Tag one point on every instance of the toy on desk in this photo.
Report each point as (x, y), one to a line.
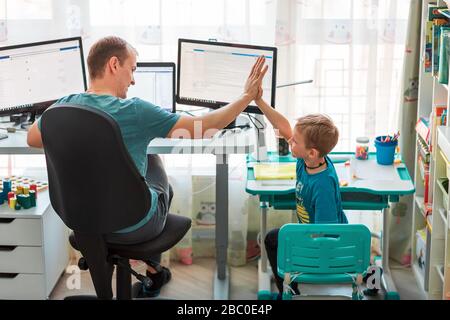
(343, 183)
(21, 181)
(362, 148)
(20, 192)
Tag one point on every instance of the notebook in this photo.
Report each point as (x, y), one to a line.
(275, 171)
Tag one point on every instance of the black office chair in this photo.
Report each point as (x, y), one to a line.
(96, 189)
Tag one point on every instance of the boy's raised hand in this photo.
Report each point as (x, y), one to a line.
(255, 78)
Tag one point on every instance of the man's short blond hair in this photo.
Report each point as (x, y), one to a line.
(103, 50)
(319, 132)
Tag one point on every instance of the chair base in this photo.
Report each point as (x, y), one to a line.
(82, 297)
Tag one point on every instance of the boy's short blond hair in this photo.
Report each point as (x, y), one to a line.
(319, 132)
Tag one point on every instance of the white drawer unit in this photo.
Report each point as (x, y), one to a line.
(21, 286)
(21, 232)
(34, 250)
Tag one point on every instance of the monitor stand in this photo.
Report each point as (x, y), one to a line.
(28, 123)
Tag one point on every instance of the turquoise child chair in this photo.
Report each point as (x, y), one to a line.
(323, 254)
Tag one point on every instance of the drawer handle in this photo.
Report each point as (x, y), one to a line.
(8, 275)
(7, 220)
(7, 248)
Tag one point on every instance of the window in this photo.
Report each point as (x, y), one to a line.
(28, 9)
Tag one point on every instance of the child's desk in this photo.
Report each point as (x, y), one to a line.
(369, 186)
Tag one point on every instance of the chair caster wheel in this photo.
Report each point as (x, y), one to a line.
(82, 264)
(147, 283)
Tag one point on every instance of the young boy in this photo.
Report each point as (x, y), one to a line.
(317, 188)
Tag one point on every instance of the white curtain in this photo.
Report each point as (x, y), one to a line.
(352, 49)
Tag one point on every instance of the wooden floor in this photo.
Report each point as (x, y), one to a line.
(194, 282)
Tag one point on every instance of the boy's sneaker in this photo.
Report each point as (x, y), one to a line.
(159, 279)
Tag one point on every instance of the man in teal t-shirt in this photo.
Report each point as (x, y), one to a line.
(111, 64)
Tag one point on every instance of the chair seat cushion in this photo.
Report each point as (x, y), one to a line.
(174, 230)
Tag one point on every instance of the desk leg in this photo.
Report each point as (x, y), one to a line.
(264, 271)
(221, 278)
(386, 279)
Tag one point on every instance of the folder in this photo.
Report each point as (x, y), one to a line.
(275, 171)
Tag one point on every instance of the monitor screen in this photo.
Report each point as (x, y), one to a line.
(212, 74)
(35, 75)
(155, 83)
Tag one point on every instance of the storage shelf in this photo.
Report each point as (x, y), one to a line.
(433, 96)
(439, 271)
(443, 216)
(418, 275)
(420, 204)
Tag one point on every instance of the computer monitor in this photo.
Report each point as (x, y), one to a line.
(34, 75)
(213, 74)
(155, 83)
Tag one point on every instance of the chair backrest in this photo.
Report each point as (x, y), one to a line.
(94, 184)
(320, 249)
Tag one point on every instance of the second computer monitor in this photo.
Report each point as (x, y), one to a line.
(155, 83)
(212, 74)
(34, 75)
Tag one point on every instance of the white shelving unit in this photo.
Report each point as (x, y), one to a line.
(431, 277)
(439, 276)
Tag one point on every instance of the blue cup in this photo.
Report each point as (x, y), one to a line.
(385, 150)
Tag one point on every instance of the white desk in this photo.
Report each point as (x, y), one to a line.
(16, 143)
(237, 143)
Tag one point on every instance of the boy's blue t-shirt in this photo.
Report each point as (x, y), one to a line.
(317, 195)
(139, 121)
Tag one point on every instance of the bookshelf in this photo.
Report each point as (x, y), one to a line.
(430, 252)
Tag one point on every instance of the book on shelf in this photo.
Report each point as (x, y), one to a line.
(423, 129)
(438, 118)
(444, 50)
(424, 151)
(424, 167)
(438, 26)
(432, 34)
(445, 12)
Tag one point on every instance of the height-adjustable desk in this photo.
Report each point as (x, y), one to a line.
(221, 147)
(370, 186)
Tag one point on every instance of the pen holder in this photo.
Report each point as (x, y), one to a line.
(385, 150)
